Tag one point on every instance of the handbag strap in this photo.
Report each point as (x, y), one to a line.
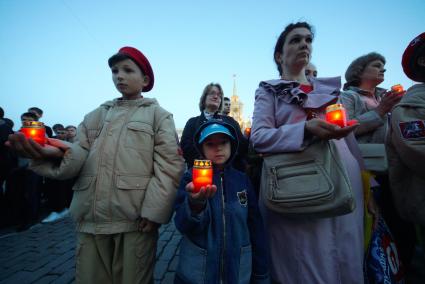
(353, 146)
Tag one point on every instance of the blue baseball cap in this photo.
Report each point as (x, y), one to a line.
(213, 129)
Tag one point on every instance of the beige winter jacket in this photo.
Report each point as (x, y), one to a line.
(406, 155)
(127, 163)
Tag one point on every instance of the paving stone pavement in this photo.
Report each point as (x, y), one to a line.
(45, 254)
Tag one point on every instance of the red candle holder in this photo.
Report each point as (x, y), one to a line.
(34, 130)
(336, 114)
(397, 88)
(202, 174)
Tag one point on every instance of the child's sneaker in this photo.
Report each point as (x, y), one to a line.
(63, 213)
(51, 218)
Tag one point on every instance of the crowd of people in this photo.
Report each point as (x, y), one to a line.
(25, 197)
(129, 173)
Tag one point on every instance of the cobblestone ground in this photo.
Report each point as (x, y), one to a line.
(45, 254)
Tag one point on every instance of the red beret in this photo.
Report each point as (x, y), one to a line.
(410, 56)
(142, 62)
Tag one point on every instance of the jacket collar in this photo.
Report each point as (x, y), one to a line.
(208, 115)
(378, 91)
(203, 118)
(325, 91)
(139, 102)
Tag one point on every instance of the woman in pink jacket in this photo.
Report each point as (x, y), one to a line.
(288, 114)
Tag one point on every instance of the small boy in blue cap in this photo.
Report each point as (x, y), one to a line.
(223, 236)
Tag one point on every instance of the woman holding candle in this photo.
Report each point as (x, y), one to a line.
(223, 235)
(128, 167)
(209, 104)
(289, 114)
(371, 105)
(365, 101)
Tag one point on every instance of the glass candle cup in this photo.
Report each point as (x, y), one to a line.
(397, 88)
(336, 114)
(34, 130)
(202, 174)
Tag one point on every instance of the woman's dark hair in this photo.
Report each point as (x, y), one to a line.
(356, 68)
(281, 40)
(207, 89)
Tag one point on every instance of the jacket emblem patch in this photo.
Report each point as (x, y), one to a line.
(412, 129)
(243, 198)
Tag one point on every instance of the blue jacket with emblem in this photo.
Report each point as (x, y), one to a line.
(225, 242)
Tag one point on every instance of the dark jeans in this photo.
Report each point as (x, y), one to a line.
(58, 194)
(22, 197)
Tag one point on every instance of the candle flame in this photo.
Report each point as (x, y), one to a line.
(397, 88)
(336, 115)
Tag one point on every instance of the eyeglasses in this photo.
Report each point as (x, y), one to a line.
(214, 93)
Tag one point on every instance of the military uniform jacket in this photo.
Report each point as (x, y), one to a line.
(406, 155)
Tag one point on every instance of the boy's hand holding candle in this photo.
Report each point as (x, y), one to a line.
(28, 148)
(198, 199)
(202, 173)
(204, 192)
(201, 188)
(34, 130)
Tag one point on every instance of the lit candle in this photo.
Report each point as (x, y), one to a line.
(202, 173)
(397, 88)
(34, 130)
(336, 114)
(247, 132)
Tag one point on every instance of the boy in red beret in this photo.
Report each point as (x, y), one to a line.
(406, 143)
(128, 171)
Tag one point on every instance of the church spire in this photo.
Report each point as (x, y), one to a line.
(234, 85)
(236, 106)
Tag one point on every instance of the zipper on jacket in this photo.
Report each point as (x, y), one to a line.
(223, 214)
(127, 117)
(99, 166)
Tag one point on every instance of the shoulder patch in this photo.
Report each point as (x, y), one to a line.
(412, 129)
(243, 198)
